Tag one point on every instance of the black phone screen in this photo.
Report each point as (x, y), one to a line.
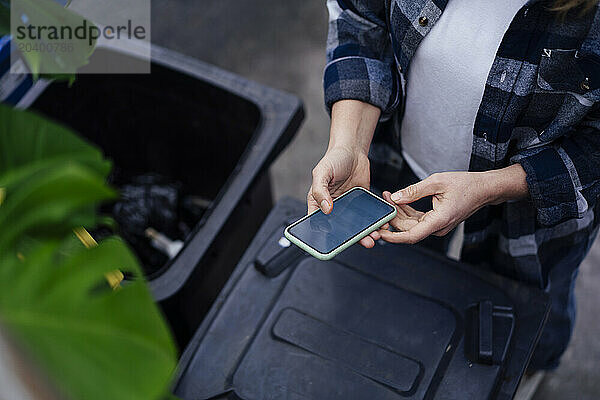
(352, 213)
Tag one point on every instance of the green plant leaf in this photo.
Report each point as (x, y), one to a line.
(51, 179)
(30, 141)
(48, 13)
(51, 202)
(95, 343)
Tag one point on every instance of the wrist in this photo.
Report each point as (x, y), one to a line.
(348, 144)
(505, 184)
(352, 125)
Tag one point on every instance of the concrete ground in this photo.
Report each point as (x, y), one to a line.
(281, 44)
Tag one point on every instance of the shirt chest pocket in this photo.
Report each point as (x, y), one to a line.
(568, 71)
(567, 84)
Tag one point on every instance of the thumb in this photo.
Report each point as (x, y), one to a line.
(320, 189)
(415, 192)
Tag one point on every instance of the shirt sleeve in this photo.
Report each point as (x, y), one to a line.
(360, 60)
(564, 177)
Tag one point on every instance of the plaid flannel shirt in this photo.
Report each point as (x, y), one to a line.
(540, 108)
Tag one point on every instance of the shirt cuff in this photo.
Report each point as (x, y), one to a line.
(364, 79)
(551, 187)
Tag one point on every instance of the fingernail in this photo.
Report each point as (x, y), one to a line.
(325, 205)
(396, 196)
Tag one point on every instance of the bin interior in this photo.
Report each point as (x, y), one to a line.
(189, 132)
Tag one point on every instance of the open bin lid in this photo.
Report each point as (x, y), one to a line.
(393, 322)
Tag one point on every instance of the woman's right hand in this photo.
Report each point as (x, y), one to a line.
(339, 170)
(345, 164)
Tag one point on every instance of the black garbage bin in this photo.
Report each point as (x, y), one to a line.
(209, 134)
(393, 322)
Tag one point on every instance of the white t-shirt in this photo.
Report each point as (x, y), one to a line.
(446, 80)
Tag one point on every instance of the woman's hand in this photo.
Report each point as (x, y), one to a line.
(339, 170)
(456, 196)
(345, 164)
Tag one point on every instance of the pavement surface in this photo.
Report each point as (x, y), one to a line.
(281, 44)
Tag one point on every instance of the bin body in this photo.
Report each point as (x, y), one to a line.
(211, 131)
(393, 322)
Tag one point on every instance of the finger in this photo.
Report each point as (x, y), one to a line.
(375, 235)
(417, 233)
(311, 203)
(382, 228)
(400, 211)
(404, 224)
(387, 196)
(320, 188)
(406, 218)
(367, 242)
(414, 235)
(443, 232)
(411, 212)
(427, 187)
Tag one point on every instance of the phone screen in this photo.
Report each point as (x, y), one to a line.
(352, 213)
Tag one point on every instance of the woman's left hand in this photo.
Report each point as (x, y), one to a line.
(456, 196)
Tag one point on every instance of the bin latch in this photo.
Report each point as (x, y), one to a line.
(277, 255)
(489, 329)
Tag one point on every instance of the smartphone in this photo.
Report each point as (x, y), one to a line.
(356, 213)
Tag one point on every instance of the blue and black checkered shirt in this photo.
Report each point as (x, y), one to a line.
(540, 108)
